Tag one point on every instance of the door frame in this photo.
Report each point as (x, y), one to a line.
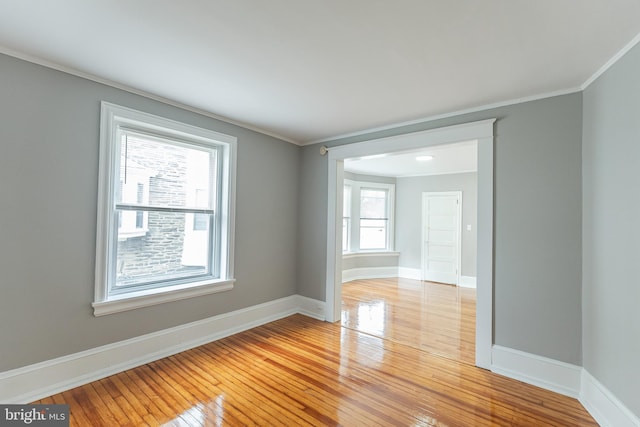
(458, 194)
(482, 132)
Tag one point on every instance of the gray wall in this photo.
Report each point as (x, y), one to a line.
(48, 193)
(537, 222)
(409, 216)
(611, 209)
(368, 262)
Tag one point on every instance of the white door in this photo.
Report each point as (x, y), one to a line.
(441, 245)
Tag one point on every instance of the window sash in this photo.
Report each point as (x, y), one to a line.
(371, 224)
(164, 280)
(212, 269)
(213, 245)
(366, 198)
(370, 202)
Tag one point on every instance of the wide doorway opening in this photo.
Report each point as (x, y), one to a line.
(409, 280)
(405, 275)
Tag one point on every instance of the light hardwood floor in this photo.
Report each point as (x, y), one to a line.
(301, 371)
(430, 316)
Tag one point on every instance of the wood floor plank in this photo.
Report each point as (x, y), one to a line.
(248, 402)
(322, 371)
(273, 400)
(100, 393)
(297, 391)
(221, 403)
(131, 393)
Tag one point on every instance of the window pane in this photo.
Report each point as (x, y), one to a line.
(139, 219)
(200, 221)
(169, 250)
(131, 223)
(346, 220)
(346, 229)
(373, 203)
(158, 173)
(346, 201)
(373, 234)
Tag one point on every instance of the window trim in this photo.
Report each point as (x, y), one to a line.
(365, 254)
(113, 117)
(356, 187)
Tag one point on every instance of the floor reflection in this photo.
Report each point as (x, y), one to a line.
(430, 316)
(201, 414)
(371, 317)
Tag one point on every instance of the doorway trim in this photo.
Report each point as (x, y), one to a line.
(482, 131)
(425, 196)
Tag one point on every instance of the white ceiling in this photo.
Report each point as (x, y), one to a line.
(451, 158)
(311, 70)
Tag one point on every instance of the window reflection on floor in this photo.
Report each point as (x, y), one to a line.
(371, 317)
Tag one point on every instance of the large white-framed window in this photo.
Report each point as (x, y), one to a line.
(166, 201)
(368, 217)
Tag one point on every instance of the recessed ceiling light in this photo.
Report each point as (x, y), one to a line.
(424, 158)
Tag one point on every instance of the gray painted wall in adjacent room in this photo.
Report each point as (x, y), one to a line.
(537, 222)
(409, 216)
(349, 263)
(48, 188)
(611, 208)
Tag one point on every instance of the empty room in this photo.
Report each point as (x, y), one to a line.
(319, 213)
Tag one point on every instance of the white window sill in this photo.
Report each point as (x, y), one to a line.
(133, 300)
(347, 255)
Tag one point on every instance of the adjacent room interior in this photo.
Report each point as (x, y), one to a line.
(190, 234)
(408, 248)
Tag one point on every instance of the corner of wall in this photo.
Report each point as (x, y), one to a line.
(603, 406)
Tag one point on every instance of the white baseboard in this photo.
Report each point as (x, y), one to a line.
(410, 273)
(311, 307)
(403, 272)
(33, 382)
(369, 273)
(381, 273)
(467, 282)
(550, 374)
(603, 406)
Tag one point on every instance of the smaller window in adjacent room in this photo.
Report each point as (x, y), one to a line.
(373, 219)
(165, 211)
(367, 224)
